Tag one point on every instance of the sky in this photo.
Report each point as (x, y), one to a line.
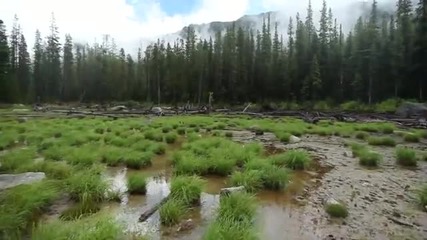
(132, 22)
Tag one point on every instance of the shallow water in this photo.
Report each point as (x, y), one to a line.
(277, 212)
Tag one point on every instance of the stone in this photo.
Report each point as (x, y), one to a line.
(330, 201)
(408, 109)
(13, 180)
(294, 139)
(118, 108)
(157, 110)
(186, 225)
(230, 190)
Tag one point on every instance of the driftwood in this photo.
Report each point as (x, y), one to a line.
(400, 222)
(144, 216)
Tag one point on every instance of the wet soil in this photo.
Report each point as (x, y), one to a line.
(381, 202)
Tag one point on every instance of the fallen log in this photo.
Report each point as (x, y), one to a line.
(150, 211)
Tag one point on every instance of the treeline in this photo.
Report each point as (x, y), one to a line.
(384, 56)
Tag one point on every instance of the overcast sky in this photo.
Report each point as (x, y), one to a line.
(129, 21)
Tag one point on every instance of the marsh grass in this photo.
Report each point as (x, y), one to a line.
(237, 207)
(229, 134)
(406, 157)
(21, 204)
(171, 138)
(362, 135)
(336, 210)
(98, 226)
(283, 136)
(411, 137)
(15, 159)
(293, 159)
(172, 212)
(357, 149)
(369, 158)
(137, 183)
(422, 197)
(250, 179)
(87, 186)
(187, 189)
(137, 160)
(112, 156)
(228, 229)
(181, 131)
(382, 141)
(80, 210)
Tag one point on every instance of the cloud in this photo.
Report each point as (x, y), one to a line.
(133, 22)
(127, 22)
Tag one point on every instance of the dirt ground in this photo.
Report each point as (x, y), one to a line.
(381, 202)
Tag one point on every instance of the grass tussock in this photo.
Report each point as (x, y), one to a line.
(172, 212)
(411, 137)
(137, 160)
(87, 186)
(21, 204)
(382, 141)
(171, 138)
(369, 158)
(80, 210)
(336, 210)
(293, 159)
(406, 157)
(362, 135)
(137, 183)
(422, 197)
(16, 159)
(94, 227)
(250, 179)
(187, 189)
(237, 207)
(228, 229)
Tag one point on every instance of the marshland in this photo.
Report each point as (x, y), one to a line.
(362, 180)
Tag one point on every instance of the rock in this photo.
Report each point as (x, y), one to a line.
(157, 110)
(12, 180)
(118, 108)
(186, 225)
(228, 191)
(330, 201)
(294, 139)
(408, 109)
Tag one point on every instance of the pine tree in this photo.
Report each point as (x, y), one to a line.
(420, 49)
(24, 71)
(68, 70)
(39, 83)
(53, 58)
(4, 63)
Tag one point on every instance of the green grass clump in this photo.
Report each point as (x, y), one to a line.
(54, 170)
(86, 186)
(15, 159)
(362, 135)
(157, 148)
(136, 160)
(137, 183)
(250, 179)
(357, 149)
(84, 156)
(187, 189)
(171, 212)
(181, 131)
(369, 158)
(96, 226)
(228, 229)
(166, 129)
(80, 210)
(293, 159)
(336, 210)
(112, 156)
(406, 157)
(275, 178)
(410, 137)
(189, 165)
(229, 134)
(382, 141)
(20, 205)
(283, 136)
(220, 126)
(171, 138)
(422, 197)
(237, 207)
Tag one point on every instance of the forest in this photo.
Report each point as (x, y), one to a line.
(384, 56)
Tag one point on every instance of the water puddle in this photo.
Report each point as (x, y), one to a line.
(278, 212)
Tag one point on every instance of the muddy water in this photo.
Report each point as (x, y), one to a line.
(275, 212)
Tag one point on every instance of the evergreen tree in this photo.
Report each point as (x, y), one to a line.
(4, 63)
(38, 78)
(24, 71)
(68, 70)
(53, 63)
